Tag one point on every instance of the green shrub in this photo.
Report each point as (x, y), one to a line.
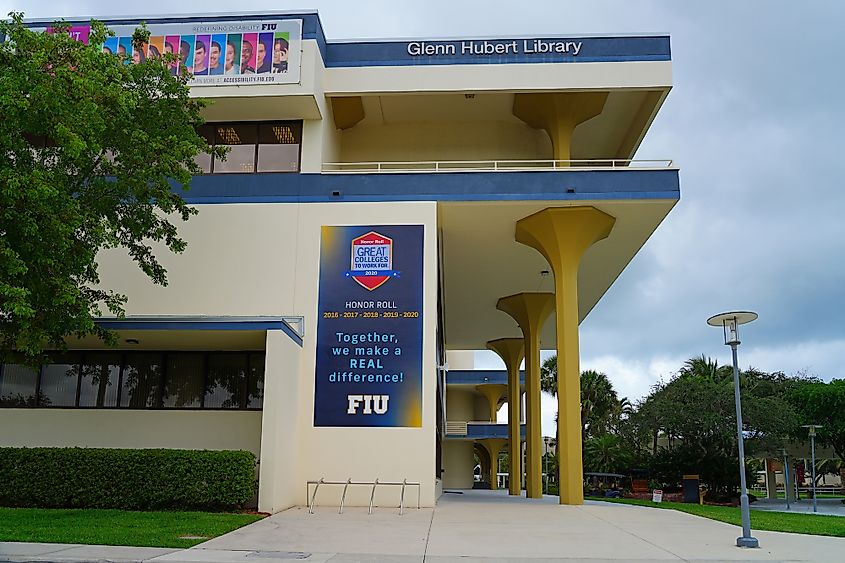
(125, 479)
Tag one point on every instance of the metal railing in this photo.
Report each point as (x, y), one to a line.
(310, 497)
(437, 166)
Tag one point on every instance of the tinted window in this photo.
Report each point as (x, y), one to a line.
(141, 381)
(17, 385)
(226, 381)
(240, 139)
(59, 381)
(184, 380)
(255, 389)
(100, 379)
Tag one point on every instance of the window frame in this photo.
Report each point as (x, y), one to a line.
(249, 355)
(296, 125)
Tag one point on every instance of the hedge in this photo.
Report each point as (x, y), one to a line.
(126, 478)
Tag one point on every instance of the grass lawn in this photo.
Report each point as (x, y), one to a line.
(116, 527)
(816, 524)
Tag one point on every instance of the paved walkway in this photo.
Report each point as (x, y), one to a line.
(829, 506)
(475, 526)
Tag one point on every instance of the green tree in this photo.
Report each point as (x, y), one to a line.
(695, 413)
(606, 454)
(824, 404)
(91, 149)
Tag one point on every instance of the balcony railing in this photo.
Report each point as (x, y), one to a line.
(438, 166)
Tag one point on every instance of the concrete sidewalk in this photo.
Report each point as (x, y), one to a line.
(474, 526)
(832, 507)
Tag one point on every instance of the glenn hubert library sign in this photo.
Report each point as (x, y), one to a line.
(370, 327)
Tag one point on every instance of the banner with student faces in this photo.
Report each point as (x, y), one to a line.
(217, 53)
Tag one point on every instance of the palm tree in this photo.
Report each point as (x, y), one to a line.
(599, 401)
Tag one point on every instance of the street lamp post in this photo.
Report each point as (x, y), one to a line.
(812, 430)
(729, 323)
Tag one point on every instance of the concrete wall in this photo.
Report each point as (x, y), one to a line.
(277, 474)
(113, 428)
(363, 454)
(263, 259)
(460, 404)
(458, 462)
(420, 141)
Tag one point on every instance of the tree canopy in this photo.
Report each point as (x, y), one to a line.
(91, 147)
(822, 404)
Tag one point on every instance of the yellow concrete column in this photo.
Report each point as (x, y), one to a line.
(512, 350)
(493, 447)
(530, 311)
(494, 393)
(562, 234)
(558, 113)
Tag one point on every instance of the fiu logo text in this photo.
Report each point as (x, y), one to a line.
(372, 404)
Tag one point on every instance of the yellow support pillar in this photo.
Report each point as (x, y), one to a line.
(493, 447)
(562, 234)
(530, 311)
(512, 350)
(494, 393)
(558, 113)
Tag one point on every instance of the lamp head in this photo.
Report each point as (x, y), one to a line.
(811, 429)
(729, 323)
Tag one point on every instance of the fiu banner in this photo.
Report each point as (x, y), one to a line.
(216, 53)
(370, 327)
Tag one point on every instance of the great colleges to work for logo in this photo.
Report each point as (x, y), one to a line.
(369, 330)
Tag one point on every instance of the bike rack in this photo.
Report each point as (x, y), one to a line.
(311, 497)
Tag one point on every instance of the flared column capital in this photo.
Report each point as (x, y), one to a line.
(511, 350)
(562, 234)
(529, 310)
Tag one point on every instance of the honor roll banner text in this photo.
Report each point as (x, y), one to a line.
(370, 327)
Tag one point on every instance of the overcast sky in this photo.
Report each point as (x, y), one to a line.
(755, 122)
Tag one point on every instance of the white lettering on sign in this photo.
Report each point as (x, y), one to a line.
(371, 403)
(487, 47)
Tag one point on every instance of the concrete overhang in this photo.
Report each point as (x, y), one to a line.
(262, 108)
(182, 340)
(615, 133)
(481, 262)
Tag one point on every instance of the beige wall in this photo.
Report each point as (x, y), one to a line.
(263, 259)
(460, 404)
(423, 141)
(112, 428)
(363, 454)
(458, 462)
(277, 475)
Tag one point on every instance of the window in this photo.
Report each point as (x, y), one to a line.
(18, 386)
(253, 147)
(59, 381)
(255, 382)
(100, 379)
(184, 377)
(138, 380)
(203, 159)
(278, 147)
(226, 381)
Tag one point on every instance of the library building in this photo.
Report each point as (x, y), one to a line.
(387, 209)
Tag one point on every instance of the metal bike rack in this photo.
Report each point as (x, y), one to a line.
(311, 497)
